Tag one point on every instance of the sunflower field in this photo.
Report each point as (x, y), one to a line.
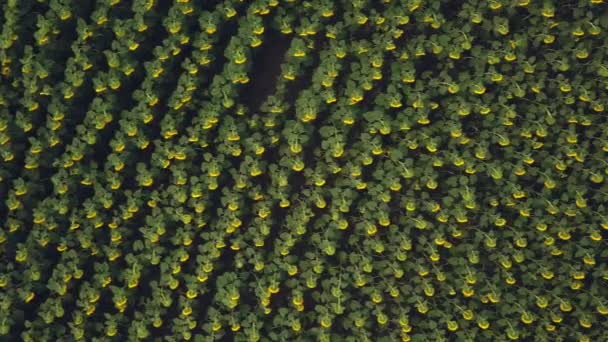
(303, 170)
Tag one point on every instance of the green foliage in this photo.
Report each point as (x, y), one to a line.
(303, 170)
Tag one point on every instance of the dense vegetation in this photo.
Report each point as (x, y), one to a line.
(284, 170)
